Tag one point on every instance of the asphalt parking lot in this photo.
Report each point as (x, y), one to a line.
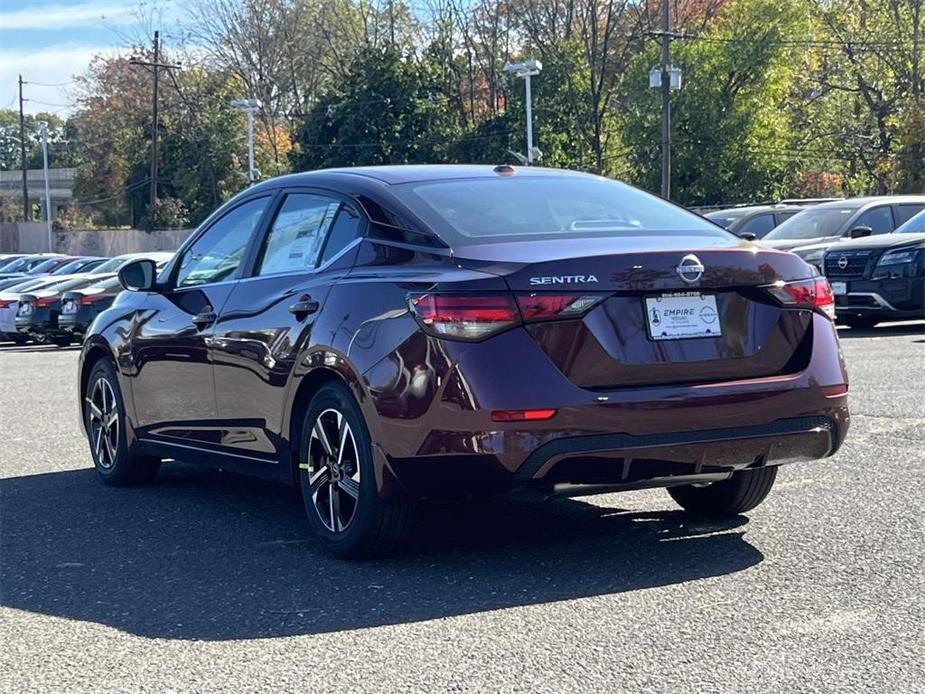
(211, 582)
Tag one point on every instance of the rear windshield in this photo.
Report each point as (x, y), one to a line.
(486, 210)
(813, 223)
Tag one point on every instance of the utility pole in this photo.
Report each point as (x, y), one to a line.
(156, 65)
(43, 128)
(26, 210)
(666, 103)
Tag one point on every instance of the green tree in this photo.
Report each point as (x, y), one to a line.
(731, 134)
(390, 109)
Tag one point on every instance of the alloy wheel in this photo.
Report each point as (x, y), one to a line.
(333, 469)
(104, 423)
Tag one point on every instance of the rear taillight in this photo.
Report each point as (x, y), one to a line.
(814, 293)
(466, 317)
(88, 299)
(540, 306)
(46, 300)
(6, 303)
(476, 316)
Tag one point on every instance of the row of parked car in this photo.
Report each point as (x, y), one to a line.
(871, 249)
(52, 298)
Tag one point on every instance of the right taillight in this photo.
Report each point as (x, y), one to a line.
(465, 316)
(813, 293)
(88, 299)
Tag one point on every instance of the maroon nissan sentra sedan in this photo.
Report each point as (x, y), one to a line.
(388, 335)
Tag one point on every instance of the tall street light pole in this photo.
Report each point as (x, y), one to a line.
(526, 70)
(43, 129)
(249, 106)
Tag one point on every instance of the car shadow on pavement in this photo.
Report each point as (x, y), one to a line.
(208, 555)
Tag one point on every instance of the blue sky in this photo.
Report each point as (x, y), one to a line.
(51, 41)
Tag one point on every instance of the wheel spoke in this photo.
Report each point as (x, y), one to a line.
(350, 486)
(110, 450)
(95, 411)
(318, 479)
(345, 433)
(98, 443)
(319, 433)
(334, 496)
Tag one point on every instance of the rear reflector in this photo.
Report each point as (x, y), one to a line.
(538, 306)
(521, 415)
(835, 391)
(467, 317)
(815, 293)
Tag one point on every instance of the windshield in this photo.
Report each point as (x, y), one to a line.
(19, 265)
(73, 266)
(8, 262)
(488, 210)
(915, 225)
(813, 223)
(45, 266)
(111, 265)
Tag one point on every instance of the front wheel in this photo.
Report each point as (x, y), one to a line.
(104, 414)
(740, 493)
(338, 484)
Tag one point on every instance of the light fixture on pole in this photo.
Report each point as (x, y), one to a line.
(526, 70)
(43, 130)
(249, 106)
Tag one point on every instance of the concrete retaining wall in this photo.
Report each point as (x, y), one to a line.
(32, 237)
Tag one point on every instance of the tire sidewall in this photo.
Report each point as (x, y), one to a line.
(337, 396)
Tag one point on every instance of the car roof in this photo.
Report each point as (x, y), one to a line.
(411, 173)
(857, 203)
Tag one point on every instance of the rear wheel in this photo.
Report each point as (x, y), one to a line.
(859, 322)
(338, 484)
(104, 414)
(740, 493)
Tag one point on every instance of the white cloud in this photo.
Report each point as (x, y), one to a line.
(94, 12)
(52, 65)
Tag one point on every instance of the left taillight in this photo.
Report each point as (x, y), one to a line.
(813, 293)
(6, 303)
(541, 306)
(465, 317)
(47, 300)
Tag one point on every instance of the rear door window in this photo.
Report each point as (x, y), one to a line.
(295, 239)
(347, 226)
(880, 219)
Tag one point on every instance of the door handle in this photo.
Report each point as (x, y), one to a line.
(304, 306)
(207, 317)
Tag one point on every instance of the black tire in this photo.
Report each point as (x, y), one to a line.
(740, 493)
(19, 340)
(117, 464)
(61, 341)
(338, 481)
(859, 322)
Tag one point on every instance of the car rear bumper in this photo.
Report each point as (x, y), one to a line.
(614, 461)
(624, 436)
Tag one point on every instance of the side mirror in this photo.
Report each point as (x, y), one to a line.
(860, 232)
(138, 275)
(748, 236)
